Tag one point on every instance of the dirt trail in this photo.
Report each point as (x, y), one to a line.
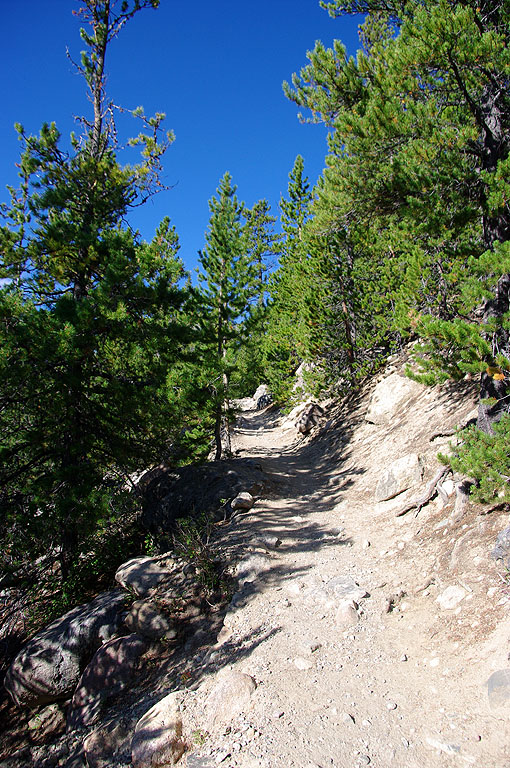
(400, 682)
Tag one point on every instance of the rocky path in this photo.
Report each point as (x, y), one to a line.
(356, 636)
(355, 661)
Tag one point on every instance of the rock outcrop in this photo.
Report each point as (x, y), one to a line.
(111, 670)
(50, 664)
(157, 741)
(202, 489)
(390, 397)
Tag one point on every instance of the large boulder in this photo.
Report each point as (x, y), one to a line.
(390, 397)
(309, 418)
(402, 474)
(197, 489)
(50, 664)
(110, 671)
(243, 500)
(143, 574)
(145, 619)
(158, 735)
(109, 744)
(229, 697)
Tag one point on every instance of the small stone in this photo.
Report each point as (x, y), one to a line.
(303, 664)
(346, 614)
(498, 688)
(311, 647)
(448, 749)
(366, 544)
(451, 597)
(390, 705)
(243, 500)
(348, 718)
(269, 542)
(403, 657)
(364, 760)
(405, 742)
(448, 487)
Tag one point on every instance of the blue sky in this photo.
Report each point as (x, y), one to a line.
(215, 69)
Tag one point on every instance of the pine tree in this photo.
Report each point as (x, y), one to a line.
(263, 246)
(228, 283)
(88, 322)
(417, 172)
(288, 326)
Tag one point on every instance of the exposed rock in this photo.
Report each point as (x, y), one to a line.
(244, 404)
(404, 473)
(303, 664)
(50, 664)
(243, 500)
(261, 391)
(344, 589)
(104, 745)
(229, 697)
(502, 549)
(250, 567)
(300, 387)
(47, 723)
(263, 401)
(268, 541)
(184, 492)
(309, 418)
(22, 757)
(143, 574)
(390, 397)
(157, 740)
(451, 597)
(109, 672)
(346, 615)
(145, 619)
(498, 688)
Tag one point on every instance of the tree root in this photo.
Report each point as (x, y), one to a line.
(430, 491)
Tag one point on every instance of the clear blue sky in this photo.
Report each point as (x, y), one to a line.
(215, 69)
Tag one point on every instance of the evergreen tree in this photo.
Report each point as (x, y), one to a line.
(417, 171)
(263, 246)
(287, 336)
(228, 283)
(88, 322)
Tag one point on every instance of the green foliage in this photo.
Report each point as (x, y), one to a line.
(191, 541)
(229, 299)
(89, 326)
(486, 459)
(410, 227)
(285, 342)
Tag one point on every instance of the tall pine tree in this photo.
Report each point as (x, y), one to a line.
(228, 284)
(286, 341)
(418, 170)
(88, 322)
